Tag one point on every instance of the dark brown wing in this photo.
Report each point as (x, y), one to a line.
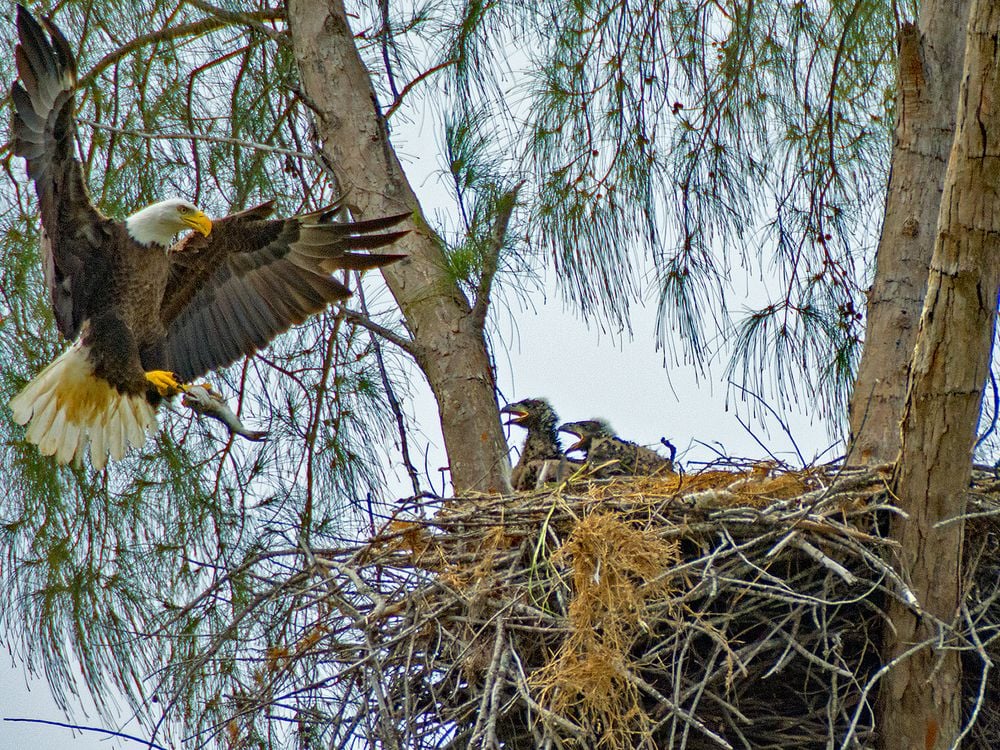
(44, 134)
(616, 457)
(232, 292)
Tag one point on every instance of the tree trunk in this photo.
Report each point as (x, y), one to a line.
(449, 343)
(922, 695)
(930, 68)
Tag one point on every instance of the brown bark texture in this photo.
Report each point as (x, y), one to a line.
(929, 72)
(449, 343)
(921, 695)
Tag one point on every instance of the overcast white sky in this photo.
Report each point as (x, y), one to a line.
(21, 698)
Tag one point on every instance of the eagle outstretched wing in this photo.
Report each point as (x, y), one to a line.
(136, 309)
(44, 133)
(231, 293)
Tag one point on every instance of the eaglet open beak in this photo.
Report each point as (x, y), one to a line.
(516, 414)
(199, 222)
(578, 445)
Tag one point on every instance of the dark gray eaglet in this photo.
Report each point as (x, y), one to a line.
(609, 455)
(146, 315)
(541, 456)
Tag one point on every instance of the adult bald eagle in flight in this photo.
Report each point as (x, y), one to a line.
(147, 316)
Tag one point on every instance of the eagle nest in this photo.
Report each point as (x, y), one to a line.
(727, 609)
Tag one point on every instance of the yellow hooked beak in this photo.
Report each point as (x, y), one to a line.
(199, 222)
(579, 439)
(516, 415)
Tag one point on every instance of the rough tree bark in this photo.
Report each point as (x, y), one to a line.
(448, 339)
(930, 69)
(922, 694)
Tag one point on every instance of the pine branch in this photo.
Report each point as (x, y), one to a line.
(398, 99)
(197, 28)
(253, 20)
(407, 345)
(491, 259)
(198, 137)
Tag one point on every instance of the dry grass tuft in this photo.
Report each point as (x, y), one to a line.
(592, 685)
(616, 572)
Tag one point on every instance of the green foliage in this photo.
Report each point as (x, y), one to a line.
(483, 189)
(679, 141)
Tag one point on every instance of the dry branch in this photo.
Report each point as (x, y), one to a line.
(731, 609)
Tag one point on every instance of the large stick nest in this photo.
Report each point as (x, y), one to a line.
(728, 609)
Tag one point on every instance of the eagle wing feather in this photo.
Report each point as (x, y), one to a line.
(44, 133)
(231, 293)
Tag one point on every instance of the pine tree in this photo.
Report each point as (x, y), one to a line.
(700, 140)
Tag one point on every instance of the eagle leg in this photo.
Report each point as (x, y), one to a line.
(165, 383)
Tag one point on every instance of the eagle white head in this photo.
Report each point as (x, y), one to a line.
(159, 223)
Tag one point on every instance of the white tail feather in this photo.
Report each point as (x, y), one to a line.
(68, 408)
(116, 436)
(42, 423)
(69, 443)
(139, 427)
(128, 423)
(98, 445)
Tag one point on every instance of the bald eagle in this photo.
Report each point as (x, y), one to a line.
(145, 315)
(609, 455)
(541, 458)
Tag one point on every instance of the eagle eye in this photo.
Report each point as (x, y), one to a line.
(183, 209)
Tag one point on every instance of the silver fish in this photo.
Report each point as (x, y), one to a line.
(203, 399)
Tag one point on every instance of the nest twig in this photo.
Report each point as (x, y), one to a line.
(722, 610)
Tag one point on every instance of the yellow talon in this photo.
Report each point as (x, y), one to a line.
(165, 382)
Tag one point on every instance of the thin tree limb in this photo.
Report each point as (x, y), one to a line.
(80, 728)
(251, 20)
(407, 345)
(196, 28)
(491, 259)
(198, 137)
(390, 394)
